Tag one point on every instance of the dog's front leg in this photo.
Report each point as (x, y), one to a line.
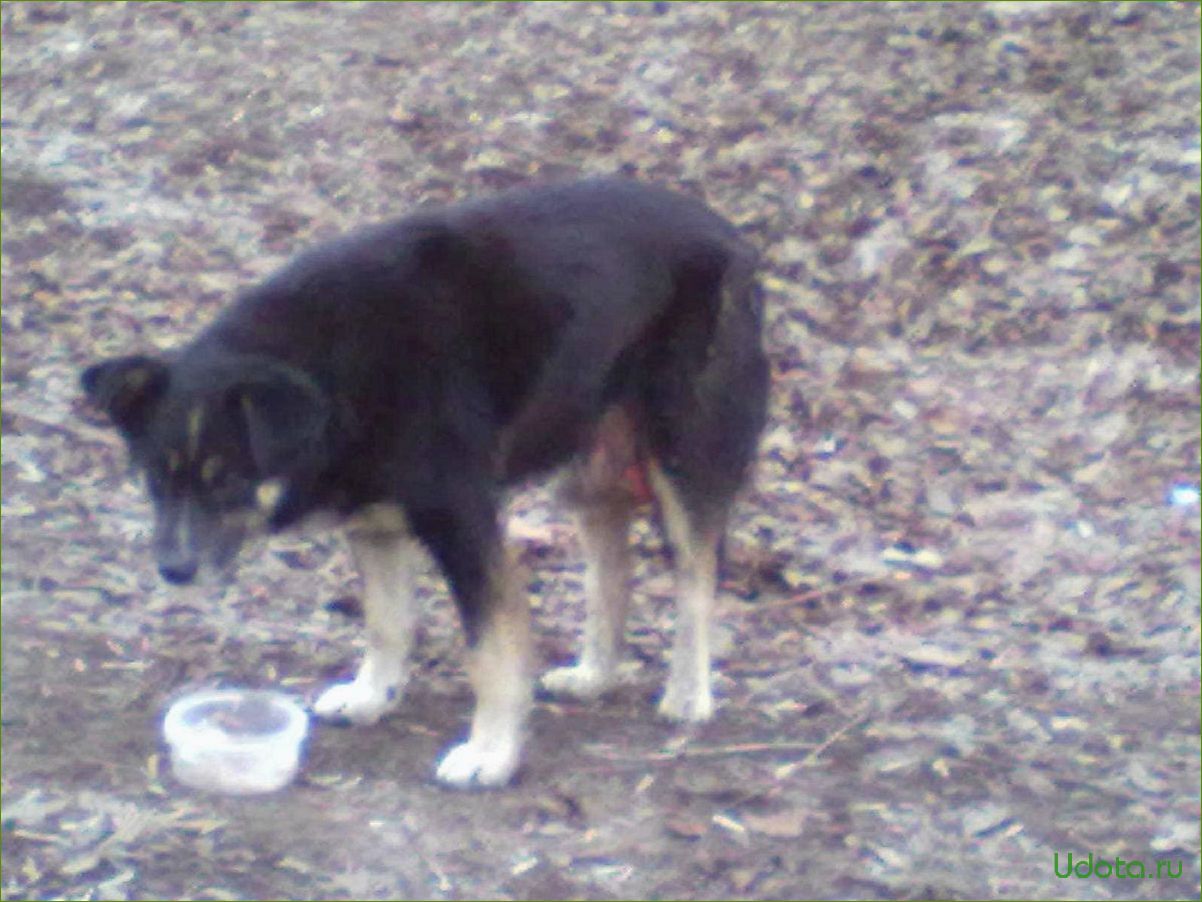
(498, 668)
(387, 563)
(465, 539)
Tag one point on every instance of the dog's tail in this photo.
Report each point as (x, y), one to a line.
(706, 391)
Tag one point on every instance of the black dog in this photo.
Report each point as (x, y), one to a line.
(400, 377)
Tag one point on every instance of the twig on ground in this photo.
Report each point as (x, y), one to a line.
(755, 607)
(786, 770)
(712, 751)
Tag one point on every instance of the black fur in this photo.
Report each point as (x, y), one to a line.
(431, 361)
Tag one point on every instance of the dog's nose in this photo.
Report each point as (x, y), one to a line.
(178, 572)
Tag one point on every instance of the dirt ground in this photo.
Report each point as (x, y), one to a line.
(962, 594)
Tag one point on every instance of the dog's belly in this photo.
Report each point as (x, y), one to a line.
(634, 480)
(614, 466)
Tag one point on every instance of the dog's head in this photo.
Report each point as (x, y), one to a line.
(219, 441)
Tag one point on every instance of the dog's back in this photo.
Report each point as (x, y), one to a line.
(552, 302)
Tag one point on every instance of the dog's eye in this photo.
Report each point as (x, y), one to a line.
(211, 470)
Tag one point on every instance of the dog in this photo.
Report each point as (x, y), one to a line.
(401, 378)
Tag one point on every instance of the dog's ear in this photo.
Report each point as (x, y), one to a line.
(126, 388)
(285, 416)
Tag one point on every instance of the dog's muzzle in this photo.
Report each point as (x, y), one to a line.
(189, 539)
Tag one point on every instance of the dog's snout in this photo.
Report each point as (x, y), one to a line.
(178, 572)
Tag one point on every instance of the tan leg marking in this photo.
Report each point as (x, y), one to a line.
(604, 534)
(499, 671)
(688, 695)
(388, 562)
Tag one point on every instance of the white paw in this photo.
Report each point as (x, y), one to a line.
(360, 702)
(479, 764)
(693, 703)
(580, 681)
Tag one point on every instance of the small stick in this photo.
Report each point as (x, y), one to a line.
(712, 751)
(750, 608)
(786, 770)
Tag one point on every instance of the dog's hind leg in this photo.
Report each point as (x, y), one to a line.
(602, 494)
(705, 405)
(604, 532)
(688, 695)
(387, 562)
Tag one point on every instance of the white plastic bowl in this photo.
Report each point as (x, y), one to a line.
(235, 741)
